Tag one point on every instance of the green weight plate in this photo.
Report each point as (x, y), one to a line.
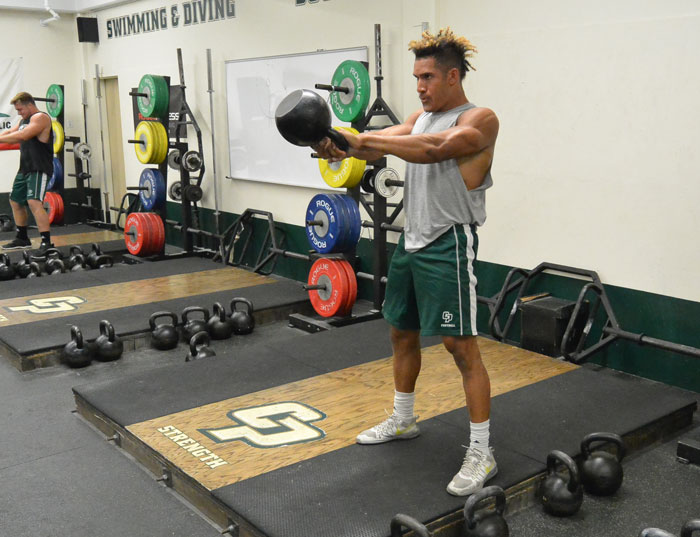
(54, 106)
(156, 100)
(349, 106)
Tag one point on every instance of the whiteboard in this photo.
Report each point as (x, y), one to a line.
(254, 88)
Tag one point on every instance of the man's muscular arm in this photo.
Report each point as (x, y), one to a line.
(37, 124)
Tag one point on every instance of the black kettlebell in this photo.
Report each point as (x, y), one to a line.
(23, 268)
(7, 272)
(77, 353)
(103, 261)
(218, 325)
(95, 252)
(561, 497)
(6, 223)
(303, 118)
(199, 347)
(191, 326)
(491, 524)
(163, 336)
(72, 253)
(55, 266)
(78, 263)
(690, 527)
(35, 270)
(242, 319)
(405, 521)
(52, 252)
(108, 345)
(601, 472)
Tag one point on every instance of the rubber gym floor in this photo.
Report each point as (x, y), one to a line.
(62, 475)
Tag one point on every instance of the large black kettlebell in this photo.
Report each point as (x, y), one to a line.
(108, 345)
(7, 272)
(405, 521)
(601, 472)
(77, 352)
(486, 524)
(23, 268)
(163, 336)
(690, 527)
(242, 320)
(559, 496)
(303, 118)
(103, 261)
(95, 252)
(6, 223)
(219, 326)
(687, 530)
(78, 263)
(191, 326)
(199, 347)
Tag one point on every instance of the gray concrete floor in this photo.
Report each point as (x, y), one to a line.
(59, 477)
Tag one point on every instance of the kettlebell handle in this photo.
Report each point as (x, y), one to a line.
(473, 501)
(107, 329)
(158, 315)
(75, 248)
(4, 259)
(77, 336)
(338, 139)
(655, 532)
(603, 437)
(559, 456)
(400, 520)
(192, 309)
(241, 300)
(104, 260)
(219, 311)
(690, 527)
(200, 338)
(96, 248)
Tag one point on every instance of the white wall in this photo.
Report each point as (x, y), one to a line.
(597, 101)
(49, 57)
(595, 164)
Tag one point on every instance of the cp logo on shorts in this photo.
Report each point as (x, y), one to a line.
(447, 317)
(272, 425)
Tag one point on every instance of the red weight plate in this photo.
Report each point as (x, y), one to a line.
(330, 273)
(352, 280)
(148, 234)
(59, 208)
(50, 200)
(159, 245)
(133, 243)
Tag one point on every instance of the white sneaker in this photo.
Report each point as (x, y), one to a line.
(391, 428)
(477, 468)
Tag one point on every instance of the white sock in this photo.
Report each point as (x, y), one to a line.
(403, 405)
(479, 435)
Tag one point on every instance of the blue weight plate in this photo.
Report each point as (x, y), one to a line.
(344, 220)
(56, 179)
(154, 196)
(355, 221)
(323, 238)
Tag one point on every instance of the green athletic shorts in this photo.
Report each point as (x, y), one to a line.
(434, 289)
(29, 186)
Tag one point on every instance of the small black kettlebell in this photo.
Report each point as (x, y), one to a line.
(405, 521)
(7, 272)
(77, 353)
(6, 223)
(191, 326)
(163, 336)
(490, 524)
(104, 261)
(199, 347)
(561, 497)
(22, 268)
(242, 319)
(109, 346)
(218, 325)
(601, 472)
(35, 270)
(95, 252)
(78, 263)
(72, 253)
(55, 266)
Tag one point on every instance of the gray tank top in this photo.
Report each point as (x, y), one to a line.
(435, 196)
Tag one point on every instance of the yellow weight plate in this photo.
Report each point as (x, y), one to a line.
(58, 136)
(161, 142)
(144, 151)
(344, 174)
